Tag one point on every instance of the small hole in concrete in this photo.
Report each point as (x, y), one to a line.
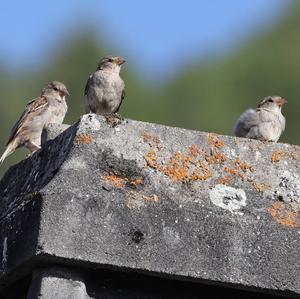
(137, 236)
(280, 198)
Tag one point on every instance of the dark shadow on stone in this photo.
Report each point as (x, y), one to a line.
(108, 284)
(21, 204)
(32, 174)
(18, 239)
(17, 290)
(133, 175)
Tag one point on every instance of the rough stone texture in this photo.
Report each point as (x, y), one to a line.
(57, 283)
(53, 130)
(158, 200)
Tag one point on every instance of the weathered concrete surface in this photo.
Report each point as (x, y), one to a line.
(164, 201)
(53, 130)
(57, 283)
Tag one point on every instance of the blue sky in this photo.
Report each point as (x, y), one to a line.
(154, 35)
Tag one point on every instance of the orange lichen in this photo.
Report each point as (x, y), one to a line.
(136, 182)
(244, 166)
(151, 198)
(146, 136)
(83, 138)
(259, 187)
(276, 156)
(194, 150)
(205, 172)
(279, 155)
(151, 160)
(235, 171)
(120, 182)
(213, 139)
(182, 167)
(225, 180)
(239, 169)
(284, 215)
(178, 167)
(115, 181)
(152, 140)
(217, 158)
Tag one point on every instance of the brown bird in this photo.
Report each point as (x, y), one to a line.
(266, 123)
(50, 107)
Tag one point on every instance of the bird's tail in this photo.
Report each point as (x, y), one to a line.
(246, 120)
(10, 148)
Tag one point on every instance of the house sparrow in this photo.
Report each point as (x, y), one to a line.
(266, 123)
(50, 107)
(104, 90)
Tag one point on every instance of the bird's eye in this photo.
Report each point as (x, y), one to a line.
(270, 100)
(55, 88)
(110, 60)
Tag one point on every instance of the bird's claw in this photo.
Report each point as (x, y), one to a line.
(114, 119)
(119, 116)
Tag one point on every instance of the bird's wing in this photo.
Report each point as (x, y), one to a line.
(246, 121)
(88, 84)
(33, 108)
(122, 98)
(120, 88)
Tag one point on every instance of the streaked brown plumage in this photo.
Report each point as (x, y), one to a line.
(50, 107)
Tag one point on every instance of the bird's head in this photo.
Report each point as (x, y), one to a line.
(55, 88)
(111, 63)
(272, 103)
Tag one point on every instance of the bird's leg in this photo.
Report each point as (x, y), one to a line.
(113, 119)
(119, 116)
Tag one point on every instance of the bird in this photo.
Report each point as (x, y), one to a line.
(50, 107)
(104, 91)
(265, 123)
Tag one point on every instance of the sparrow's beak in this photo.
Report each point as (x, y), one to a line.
(64, 92)
(120, 61)
(280, 102)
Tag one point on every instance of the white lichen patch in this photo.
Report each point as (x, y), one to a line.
(289, 187)
(228, 198)
(90, 121)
